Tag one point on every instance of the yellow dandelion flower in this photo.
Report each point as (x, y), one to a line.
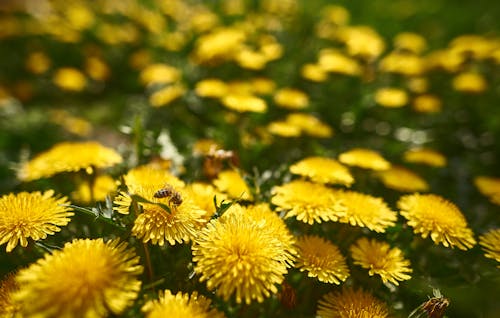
(103, 186)
(323, 170)
(490, 242)
(159, 74)
(231, 183)
(167, 95)
(283, 129)
(380, 259)
(364, 158)
(251, 59)
(211, 87)
(149, 176)
(321, 259)
(244, 103)
(432, 215)
(180, 305)
(291, 98)
(38, 62)
(31, 215)
(361, 41)
(97, 69)
(310, 125)
(335, 62)
(391, 97)
(203, 196)
(70, 79)
(411, 42)
(87, 278)
(402, 179)
(314, 72)
(262, 85)
(308, 202)
(351, 303)
(417, 84)
(220, 44)
(8, 307)
(235, 254)
(366, 211)
(402, 63)
(69, 157)
(469, 82)
(203, 147)
(427, 103)
(425, 156)
(336, 14)
(490, 187)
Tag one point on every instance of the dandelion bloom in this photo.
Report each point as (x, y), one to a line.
(283, 129)
(204, 195)
(309, 125)
(321, 259)
(31, 215)
(308, 202)
(402, 179)
(432, 215)
(379, 258)
(69, 157)
(70, 79)
(351, 303)
(427, 103)
(411, 42)
(291, 98)
(211, 87)
(490, 187)
(490, 242)
(180, 305)
(231, 183)
(365, 210)
(102, 186)
(8, 307)
(323, 170)
(237, 254)
(314, 72)
(244, 103)
(469, 82)
(364, 158)
(87, 278)
(336, 62)
(425, 156)
(391, 97)
(166, 95)
(159, 74)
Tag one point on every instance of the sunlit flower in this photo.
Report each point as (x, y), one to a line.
(70, 79)
(469, 82)
(204, 195)
(401, 63)
(321, 259)
(262, 85)
(232, 183)
(102, 186)
(244, 103)
(351, 303)
(38, 62)
(427, 103)
(149, 176)
(362, 41)
(87, 278)
(291, 98)
(8, 307)
(490, 242)
(250, 59)
(335, 62)
(283, 129)
(167, 95)
(323, 170)
(314, 72)
(411, 42)
(364, 158)
(365, 210)
(425, 156)
(211, 87)
(402, 179)
(180, 305)
(31, 215)
(239, 255)
(418, 84)
(489, 187)
(432, 215)
(380, 259)
(391, 97)
(309, 125)
(308, 202)
(97, 69)
(69, 157)
(220, 44)
(159, 74)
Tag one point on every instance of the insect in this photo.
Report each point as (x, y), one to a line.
(169, 192)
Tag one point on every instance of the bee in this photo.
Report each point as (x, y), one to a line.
(174, 197)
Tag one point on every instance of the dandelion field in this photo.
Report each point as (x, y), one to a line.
(241, 158)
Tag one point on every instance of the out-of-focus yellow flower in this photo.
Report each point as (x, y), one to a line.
(431, 215)
(361, 41)
(69, 157)
(309, 125)
(102, 186)
(203, 147)
(167, 95)
(321, 259)
(96, 68)
(139, 59)
(335, 62)
(244, 103)
(270, 47)
(113, 34)
(402, 179)
(425, 156)
(308, 202)
(284, 129)
(211, 87)
(475, 46)
(490, 242)
(219, 44)
(427, 103)
(8, 307)
(73, 124)
(364, 158)
(31, 215)
(159, 74)
(365, 211)
(351, 303)
(69, 79)
(447, 60)
(180, 305)
(262, 85)
(336, 14)
(401, 63)
(291, 98)
(323, 170)
(391, 97)
(87, 278)
(38, 62)
(250, 59)
(417, 84)
(231, 183)
(204, 195)
(314, 72)
(489, 187)
(469, 82)
(380, 259)
(411, 42)
(79, 16)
